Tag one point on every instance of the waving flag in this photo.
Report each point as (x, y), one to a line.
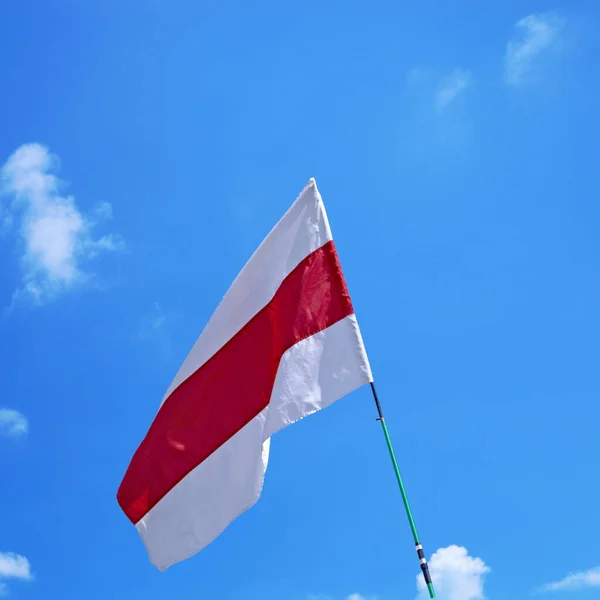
(283, 343)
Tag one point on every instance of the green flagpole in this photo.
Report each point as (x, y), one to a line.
(411, 521)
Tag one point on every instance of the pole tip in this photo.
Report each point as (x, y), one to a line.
(431, 591)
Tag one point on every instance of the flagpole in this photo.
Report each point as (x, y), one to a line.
(411, 521)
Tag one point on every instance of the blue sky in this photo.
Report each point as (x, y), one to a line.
(456, 148)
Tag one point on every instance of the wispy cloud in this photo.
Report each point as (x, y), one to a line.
(326, 597)
(155, 329)
(151, 323)
(451, 87)
(574, 581)
(418, 76)
(13, 566)
(12, 423)
(55, 238)
(534, 35)
(455, 575)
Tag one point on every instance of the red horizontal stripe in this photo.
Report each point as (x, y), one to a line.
(235, 384)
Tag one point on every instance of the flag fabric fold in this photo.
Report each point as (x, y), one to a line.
(283, 343)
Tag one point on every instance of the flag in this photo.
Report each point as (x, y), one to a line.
(283, 343)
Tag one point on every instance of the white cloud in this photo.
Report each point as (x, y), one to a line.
(355, 597)
(455, 575)
(575, 581)
(13, 566)
(536, 33)
(12, 423)
(55, 237)
(451, 87)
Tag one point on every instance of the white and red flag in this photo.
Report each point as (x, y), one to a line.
(283, 343)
